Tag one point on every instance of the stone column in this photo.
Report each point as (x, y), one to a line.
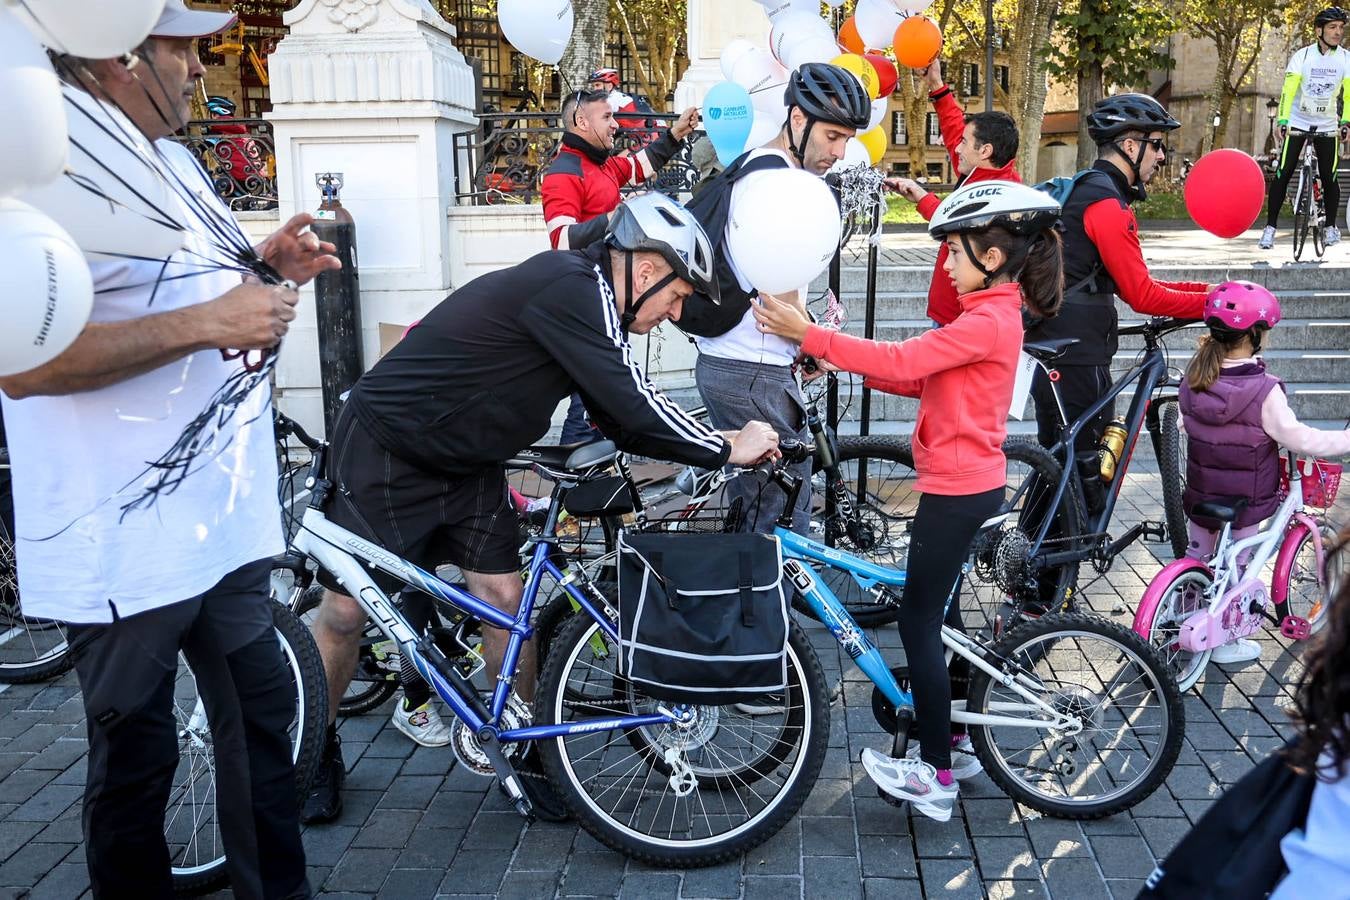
(374, 89)
(712, 25)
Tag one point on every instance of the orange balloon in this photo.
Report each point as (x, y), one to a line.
(849, 38)
(917, 42)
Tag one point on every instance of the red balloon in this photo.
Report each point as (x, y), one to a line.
(1224, 192)
(887, 74)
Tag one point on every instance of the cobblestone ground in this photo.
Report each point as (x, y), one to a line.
(416, 825)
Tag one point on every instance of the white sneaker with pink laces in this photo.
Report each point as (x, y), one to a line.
(913, 780)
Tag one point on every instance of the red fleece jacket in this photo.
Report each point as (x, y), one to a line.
(943, 306)
(963, 376)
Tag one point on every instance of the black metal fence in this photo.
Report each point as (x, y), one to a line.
(239, 155)
(504, 159)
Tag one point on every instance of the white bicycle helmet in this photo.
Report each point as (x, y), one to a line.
(1021, 210)
(654, 223)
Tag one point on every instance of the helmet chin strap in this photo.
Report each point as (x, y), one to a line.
(1135, 163)
(632, 306)
(799, 152)
(1012, 264)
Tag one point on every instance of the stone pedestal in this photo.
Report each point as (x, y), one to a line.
(712, 25)
(374, 89)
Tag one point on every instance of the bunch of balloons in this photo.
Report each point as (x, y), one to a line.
(59, 198)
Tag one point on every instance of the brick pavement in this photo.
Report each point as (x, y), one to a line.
(417, 825)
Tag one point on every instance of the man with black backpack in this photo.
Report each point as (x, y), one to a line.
(742, 373)
(1103, 261)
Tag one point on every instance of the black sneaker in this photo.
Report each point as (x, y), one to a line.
(324, 801)
(548, 806)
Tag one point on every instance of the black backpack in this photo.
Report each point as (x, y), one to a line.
(711, 206)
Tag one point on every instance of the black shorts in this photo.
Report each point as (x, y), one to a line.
(427, 519)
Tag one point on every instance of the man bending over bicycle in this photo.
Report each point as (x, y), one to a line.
(417, 450)
(1314, 84)
(1102, 261)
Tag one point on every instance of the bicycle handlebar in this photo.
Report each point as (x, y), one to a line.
(1157, 326)
(285, 426)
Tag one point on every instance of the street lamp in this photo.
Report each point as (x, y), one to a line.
(1272, 107)
(989, 55)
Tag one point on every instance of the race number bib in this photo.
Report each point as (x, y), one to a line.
(1313, 106)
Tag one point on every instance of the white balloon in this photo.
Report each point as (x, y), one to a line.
(538, 28)
(855, 154)
(769, 101)
(834, 4)
(784, 229)
(765, 128)
(816, 48)
(46, 285)
(879, 107)
(910, 6)
(876, 21)
(794, 27)
(94, 29)
(33, 140)
(732, 53)
(119, 222)
(776, 8)
(757, 72)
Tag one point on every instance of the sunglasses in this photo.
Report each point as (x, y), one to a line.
(1158, 144)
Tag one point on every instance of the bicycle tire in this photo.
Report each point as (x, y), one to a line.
(1302, 210)
(1182, 597)
(1305, 573)
(303, 660)
(807, 698)
(375, 693)
(1122, 645)
(883, 506)
(1172, 470)
(999, 582)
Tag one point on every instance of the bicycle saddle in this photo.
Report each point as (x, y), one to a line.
(1048, 351)
(1221, 512)
(568, 457)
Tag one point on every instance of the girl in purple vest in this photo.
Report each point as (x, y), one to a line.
(1236, 422)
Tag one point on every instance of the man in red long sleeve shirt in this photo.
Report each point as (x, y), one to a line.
(983, 147)
(1102, 261)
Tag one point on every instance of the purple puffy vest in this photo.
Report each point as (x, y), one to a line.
(1229, 454)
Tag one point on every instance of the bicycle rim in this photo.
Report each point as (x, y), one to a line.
(1185, 596)
(1308, 596)
(1110, 679)
(1301, 208)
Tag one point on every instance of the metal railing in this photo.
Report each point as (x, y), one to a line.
(504, 159)
(239, 155)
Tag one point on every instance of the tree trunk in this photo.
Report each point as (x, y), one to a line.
(1030, 41)
(914, 107)
(1090, 90)
(1213, 99)
(586, 52)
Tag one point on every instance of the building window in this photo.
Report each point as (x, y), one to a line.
(900, 168)
(970, 80)
(934, 132)
(1002, 72)
(899, 131)
(935, 171)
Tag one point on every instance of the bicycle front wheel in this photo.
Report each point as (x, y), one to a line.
(191, 826)
(1306, 594)
(30, 649)
(1129, 713)
(1302, 212)
(679, 795)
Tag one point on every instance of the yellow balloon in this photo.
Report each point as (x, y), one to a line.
(875, 142)
(862, 69)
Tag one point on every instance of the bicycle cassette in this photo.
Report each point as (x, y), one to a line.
(470, 753)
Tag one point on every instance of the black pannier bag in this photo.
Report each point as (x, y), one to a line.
(702, 617)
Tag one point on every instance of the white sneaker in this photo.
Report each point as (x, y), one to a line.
(964, 762)
(423, 724)
(1333, 235)
(1239, 651)
(912, 780)
(1267, 238)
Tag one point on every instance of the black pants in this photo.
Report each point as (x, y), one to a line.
(127, 671)
(943, 530)
(1327, 160)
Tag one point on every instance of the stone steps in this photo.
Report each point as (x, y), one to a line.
(914, 305)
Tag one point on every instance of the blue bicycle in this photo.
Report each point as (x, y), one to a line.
(665, 783)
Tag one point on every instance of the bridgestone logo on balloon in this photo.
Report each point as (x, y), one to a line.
(50, 314)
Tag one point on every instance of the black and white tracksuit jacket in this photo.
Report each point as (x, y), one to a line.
(479, 377)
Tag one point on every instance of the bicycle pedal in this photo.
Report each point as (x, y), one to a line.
(1295, 628)
(1154, 531)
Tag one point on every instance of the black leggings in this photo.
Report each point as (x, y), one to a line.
(420, 611)
(943, 530)
(1327, 161)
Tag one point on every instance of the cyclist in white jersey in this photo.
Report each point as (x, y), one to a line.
(1314, 87)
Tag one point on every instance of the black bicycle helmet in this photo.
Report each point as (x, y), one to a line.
(655, 223)
(826, 93)
(1113, 116)
(1329, 15)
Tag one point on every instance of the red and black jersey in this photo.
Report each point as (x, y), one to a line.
(576, 189)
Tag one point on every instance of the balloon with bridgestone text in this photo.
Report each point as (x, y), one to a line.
(33, 141)
(887, 74)
(727, 118)
(732, 53)
(783, 230)
(775, 9)
(876, 21)
(795, 27)
(1224, 192)
(917, 42)
(538, 28)
(758, 73)
(130, 213)
(93, 29)
(46, 285)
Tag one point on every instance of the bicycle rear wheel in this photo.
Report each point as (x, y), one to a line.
(1172, 469)
(750, 774)
(1302, 211)
(1108, 677)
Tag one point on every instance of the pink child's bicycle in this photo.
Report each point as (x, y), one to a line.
(1193, 606)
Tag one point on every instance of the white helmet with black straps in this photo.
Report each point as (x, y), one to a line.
(1017, 208)
(654, 223)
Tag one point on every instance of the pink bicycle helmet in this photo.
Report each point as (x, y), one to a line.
(1241, 306)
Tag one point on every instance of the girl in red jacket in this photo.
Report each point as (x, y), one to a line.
(1003, 251)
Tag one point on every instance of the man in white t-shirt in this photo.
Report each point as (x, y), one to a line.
(190, 572)
(744, 374)
(1312, 108)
